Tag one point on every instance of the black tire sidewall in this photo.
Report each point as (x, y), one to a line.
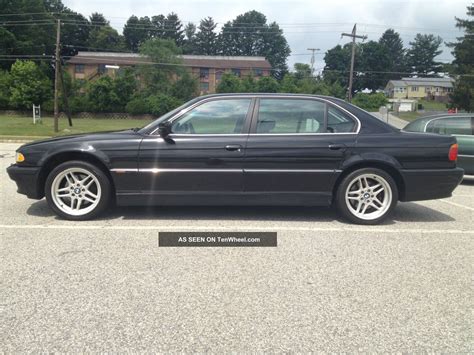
(341, 198)
(97, 172)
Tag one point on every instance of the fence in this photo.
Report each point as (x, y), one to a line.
(79, 115)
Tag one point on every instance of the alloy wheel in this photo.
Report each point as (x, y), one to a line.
(76, 191)
(368, 196)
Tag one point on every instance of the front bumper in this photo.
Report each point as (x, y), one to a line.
(429, 184)
(27, 180)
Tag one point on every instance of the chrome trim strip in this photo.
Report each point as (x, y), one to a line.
(251, 97)
(291, 170)
(465, 156)
(158, 170)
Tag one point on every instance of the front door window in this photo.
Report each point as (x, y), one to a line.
(214, 117)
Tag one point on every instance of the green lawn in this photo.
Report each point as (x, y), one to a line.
(408, 116)
(433, 105)
(23, 126)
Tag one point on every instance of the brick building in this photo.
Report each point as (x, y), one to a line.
(208, 69)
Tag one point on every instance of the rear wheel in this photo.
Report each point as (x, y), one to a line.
(367, 196)
(77, 190)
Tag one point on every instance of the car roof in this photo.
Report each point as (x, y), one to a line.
(441, 115)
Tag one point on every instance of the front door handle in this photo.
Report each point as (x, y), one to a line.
(233, 147)
(333, 146)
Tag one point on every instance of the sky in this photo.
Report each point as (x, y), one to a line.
(306, 23)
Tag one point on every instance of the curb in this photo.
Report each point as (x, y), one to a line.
(20, 139)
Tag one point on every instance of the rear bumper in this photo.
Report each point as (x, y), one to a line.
(26, 179)
(430, 184)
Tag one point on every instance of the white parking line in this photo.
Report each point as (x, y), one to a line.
(243, 229)
(458, 205)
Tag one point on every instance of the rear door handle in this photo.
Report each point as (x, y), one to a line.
(336, 146)
(233, 147)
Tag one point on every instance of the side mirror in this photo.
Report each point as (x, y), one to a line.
(164, 129)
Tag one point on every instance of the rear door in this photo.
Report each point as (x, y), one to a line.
(296, 146)
(203, 154)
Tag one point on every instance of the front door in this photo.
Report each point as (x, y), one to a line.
(295, 149)
(204, 153)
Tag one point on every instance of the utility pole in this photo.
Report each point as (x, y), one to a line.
(312, 58)
(56, 78)
(353, 35)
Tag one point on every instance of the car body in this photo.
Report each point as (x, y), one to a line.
(460, 125)
(244, 149)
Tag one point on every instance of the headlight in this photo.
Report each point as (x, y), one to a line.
(19, 157)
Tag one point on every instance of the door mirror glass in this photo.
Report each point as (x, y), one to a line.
(225, 116)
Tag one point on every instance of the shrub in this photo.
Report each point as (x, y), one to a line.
(370, 102)
(29, 85)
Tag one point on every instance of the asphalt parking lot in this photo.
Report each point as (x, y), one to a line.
(105, 285)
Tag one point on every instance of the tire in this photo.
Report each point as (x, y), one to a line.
(77, 190)
(372, 203)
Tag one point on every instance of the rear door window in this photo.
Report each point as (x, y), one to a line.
(276, 116)
(451, 125)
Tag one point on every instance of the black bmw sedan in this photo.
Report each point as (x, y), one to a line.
(243, 149)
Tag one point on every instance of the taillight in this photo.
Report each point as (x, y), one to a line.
(453, 152)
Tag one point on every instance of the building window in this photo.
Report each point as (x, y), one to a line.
(102, 69)
(236, 72)
(219, 75)
(204, 86)
(414, 88)
(79, 68)
(204, 73)
(258, 72)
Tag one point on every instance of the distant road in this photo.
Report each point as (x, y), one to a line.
(393, 120)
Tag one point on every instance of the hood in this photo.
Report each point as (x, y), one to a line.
(107, 135)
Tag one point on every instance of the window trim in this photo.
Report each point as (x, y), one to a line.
(251, 116)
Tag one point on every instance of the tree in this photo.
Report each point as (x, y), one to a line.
(422, 53)
(302, 71)
(105, 38)
(173, 29)
(102, 96)
(29, 85)
(337, 61)
(229, 83)
(163, 54)
(32, 37)
(190, 46)
(206, 38)
(124, 86)
(5, 83)
(99, 20)
(185, 88)
(373, 64)
(463, 64)
(267, 84)
(249, 34)
(136, 31)
(393, 44)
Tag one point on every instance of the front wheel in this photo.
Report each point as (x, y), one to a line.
(367, 196)
(77, 190)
